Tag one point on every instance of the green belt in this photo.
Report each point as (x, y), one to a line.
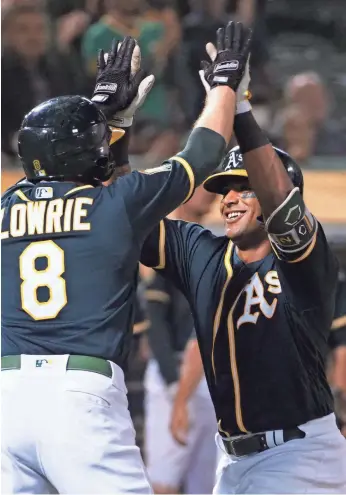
(80, 363)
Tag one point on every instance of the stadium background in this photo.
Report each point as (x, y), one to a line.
(298, 86)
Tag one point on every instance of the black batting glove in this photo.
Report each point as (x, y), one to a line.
(233, 49)
(115, 87)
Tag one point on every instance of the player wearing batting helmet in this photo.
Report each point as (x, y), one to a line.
(70, 252)
(262, 298)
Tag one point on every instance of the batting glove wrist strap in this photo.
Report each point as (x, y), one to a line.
(122, 122)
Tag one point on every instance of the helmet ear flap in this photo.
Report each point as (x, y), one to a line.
(104, 168)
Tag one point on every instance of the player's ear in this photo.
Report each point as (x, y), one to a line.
(260, 219)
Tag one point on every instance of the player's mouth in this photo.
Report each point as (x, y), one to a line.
(234, 216)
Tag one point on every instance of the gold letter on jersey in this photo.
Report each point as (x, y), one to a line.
(4, 234)
(18, 220)
(80, 212)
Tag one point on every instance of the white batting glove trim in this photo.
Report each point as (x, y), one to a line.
(204, 82)
(124, 118)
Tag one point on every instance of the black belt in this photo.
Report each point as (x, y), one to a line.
(259, 442)
(79, 363)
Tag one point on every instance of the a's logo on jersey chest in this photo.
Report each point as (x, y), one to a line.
(257, 300)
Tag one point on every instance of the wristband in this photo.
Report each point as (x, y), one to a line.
(120, 150)
(120, 121)
(248, 133)
(243, 107)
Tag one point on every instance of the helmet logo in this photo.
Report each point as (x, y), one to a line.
(37, 164)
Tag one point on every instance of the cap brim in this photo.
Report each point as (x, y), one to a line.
(217, 182)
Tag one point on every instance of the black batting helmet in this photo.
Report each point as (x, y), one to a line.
(66, 138)
(232, 165)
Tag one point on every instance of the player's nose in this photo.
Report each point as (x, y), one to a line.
(231, 198)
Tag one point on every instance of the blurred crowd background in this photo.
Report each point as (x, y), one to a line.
(49, 48)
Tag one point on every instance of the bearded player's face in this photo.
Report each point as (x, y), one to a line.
(240, 209)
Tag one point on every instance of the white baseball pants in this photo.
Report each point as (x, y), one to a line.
(314, 464)
(67, 432)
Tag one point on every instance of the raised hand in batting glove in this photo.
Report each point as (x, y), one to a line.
(243, 94)
(124, 118)
(117, 87)
(231, 57)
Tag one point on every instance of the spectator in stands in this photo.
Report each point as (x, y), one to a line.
(296, 134)
(152, 130)
(307, 91)
(198, 28)
(72, 18)
(163, 11)
(31, 70)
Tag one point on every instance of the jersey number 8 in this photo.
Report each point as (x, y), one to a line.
(50, 277)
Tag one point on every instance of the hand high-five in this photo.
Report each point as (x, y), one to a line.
(121, 85)
(229, 58)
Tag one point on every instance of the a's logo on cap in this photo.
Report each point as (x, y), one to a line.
(36, 164)
(235, 160)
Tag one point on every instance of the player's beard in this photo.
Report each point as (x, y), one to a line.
(249, 237)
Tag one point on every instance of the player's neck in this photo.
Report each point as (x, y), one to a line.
(254, 253)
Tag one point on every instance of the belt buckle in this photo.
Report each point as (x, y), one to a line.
(230, 444)
(246, 445)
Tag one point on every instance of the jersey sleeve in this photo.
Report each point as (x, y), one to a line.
(151, 195)
(310, 275)
(338, 329)
(170, 249)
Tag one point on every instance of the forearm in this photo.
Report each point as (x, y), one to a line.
(207, 142)
(339, 385)
(339, 374)
(267, 175)
(120, 154)
(218, 113)
(191, 372)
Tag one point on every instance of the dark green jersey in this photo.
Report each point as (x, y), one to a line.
(70, 260)
(262, 327)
